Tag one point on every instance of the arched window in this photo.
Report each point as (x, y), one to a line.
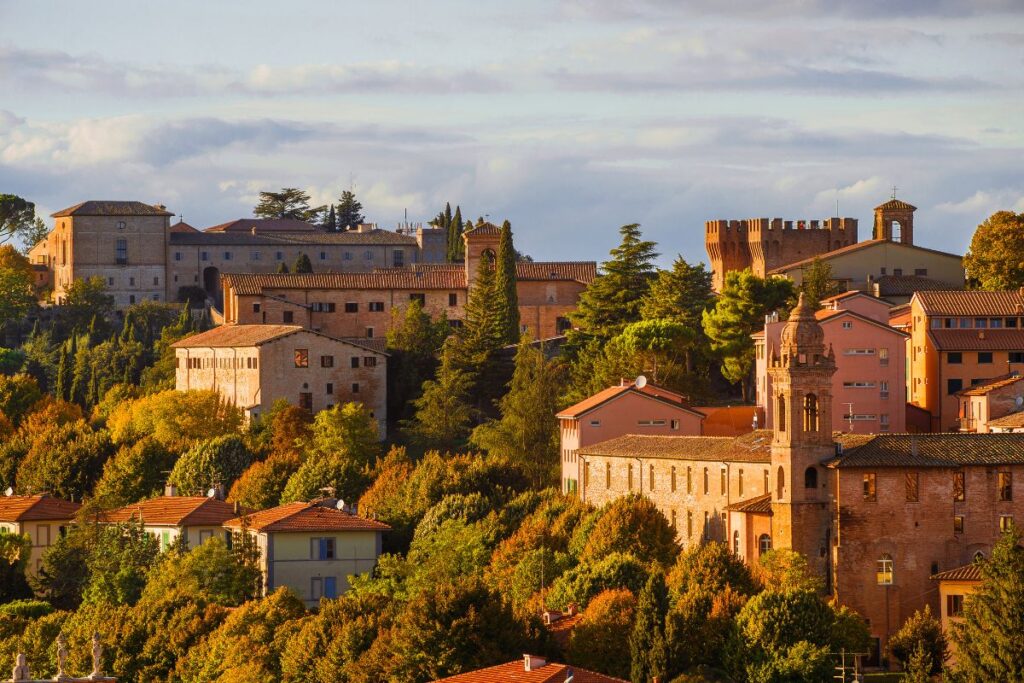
(489, 255)
(810, 413)
(706, 485)
(885, 569)
(736, 542)
(811, 478)
(764, 544)
(979, 556)
(766, 481)
(781, 484)
(782, 413)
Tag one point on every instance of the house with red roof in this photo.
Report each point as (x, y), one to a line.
(993, 405)
(41, 517)
(531, 669)
(170, 516)
(313, 548)
(629, 408)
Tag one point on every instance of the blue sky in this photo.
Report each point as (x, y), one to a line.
(568, 118)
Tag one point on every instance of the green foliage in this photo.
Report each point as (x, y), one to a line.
(647, 646)
(263, 483)
(414, 341)
(226, 576)
(14, 554)
(456, 245)
(17, 216)
(710, 566)
(346, 430)
(16, 296)
(18, 393)
(119, 557)
(580, 584)
(993, 261)
(920, 666)
(784, 570)
(134, 473)
(86, 301)
(817, 283)
(988, 642)
(350, 211)
(681, 294)
(11, 361)
(282, 267)
(442, 413)
(920, 631)
(322, 476)
(290, 202)
(215, 461)
(302, 264)
(476, 344)
(65, 460)
(177, 419)
(657, 343)
(506, 299)
(699, 626)
(597, 641)
(633, 524)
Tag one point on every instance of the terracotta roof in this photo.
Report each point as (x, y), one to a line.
(311, 238)
(228, 336)
(851, 248)
(1001, 339)
(752, 447)
(971, 302)
(852, 293)
(896, 204)
(264, 225)
(828, 314)
(968, 572)
(933, 450)
(1011, 421)
(649, 391)
(301, 516)
(175, 511)
(38, 507)
(906, 285)
(561, 628)
(375, 344)
(375, 236)
(252, 284)
(580, 271)
(183, 227)
(761, 505)
(515, 672)
(990, 385)
(111, 208)
(484, 229)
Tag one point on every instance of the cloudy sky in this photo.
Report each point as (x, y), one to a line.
(568, 118)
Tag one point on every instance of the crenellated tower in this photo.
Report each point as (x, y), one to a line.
(801, 370)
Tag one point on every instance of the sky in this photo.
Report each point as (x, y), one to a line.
(570, 118)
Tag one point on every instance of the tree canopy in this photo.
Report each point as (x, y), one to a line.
(995, 259)
(289, 202)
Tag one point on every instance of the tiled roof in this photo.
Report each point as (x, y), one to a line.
(484, 229)
(752, 447)
(761, 505)
(968, 572)
(264, 225)
(1001, 339)
(375, 344)
(515, 672)
(850, 293)
(990, 385)
(38, 507)
(252, 284)
(175, 511)
(580, 271)
(183, 227)
(311, 238)
(229, 336)
(933, 450)
(971, 302)
(111, 208)
(851, 248)
(906, 285)
(649, 391)
(896, 204)
(301, 516)
(374, 236)
(828, 314)
(1011, 421)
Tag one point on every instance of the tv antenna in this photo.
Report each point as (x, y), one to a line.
(849, 416)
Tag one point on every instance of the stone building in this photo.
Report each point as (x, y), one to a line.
(348, 305)
(252, 366)
(41, 517)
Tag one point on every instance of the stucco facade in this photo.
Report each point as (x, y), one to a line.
(42, 518)
(989, 401)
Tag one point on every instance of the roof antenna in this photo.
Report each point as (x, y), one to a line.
(894, 192)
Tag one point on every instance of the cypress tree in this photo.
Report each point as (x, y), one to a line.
(81, 374)
(506, 299)
(282, 267)
(303, 264)
(331, 224)
(447, 215)
(647, 641)
(350, 211)
(129, 325)
(455, 246)
(483, 327)
(63, 373)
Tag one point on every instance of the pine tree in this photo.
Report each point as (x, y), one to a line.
(456, 249)
(481, 331)
(817, 282)
(331, 223)
(506, 298)
(303, 264)
(447, 215)
(282, 267)
(681, 295)
(647, 641)
(290, 202)
(350, 211)
(443, 412)
(129, 325)
(613, 300)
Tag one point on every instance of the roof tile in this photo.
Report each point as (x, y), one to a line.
(648, 391)
(968, 572)
(971, 302)
(752, 447)
(990, 385)
(1002, 339)
(858, 246)
(515, 672)
(38, 507)
(111, 208)
(175, 511)
(300, 516)
(932, 450)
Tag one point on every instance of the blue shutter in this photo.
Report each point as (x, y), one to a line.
(330, 587)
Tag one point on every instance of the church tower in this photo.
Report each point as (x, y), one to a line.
(481, 243)
(801, 372)
(894, 221)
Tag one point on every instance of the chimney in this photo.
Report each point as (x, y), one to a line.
(532, 662)
(170, 490)
(571, 609)
(237, 508)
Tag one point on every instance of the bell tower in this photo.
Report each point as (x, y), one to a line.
(894, 221)
(481, 243)
(801, 373)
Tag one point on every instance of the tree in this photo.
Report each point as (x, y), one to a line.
(989, 647)
(261, 485)
(282, 268)
(33, 234)
(647, 645)
(348, 431)
(16, 297)
(456, 247)
(993, 261)
(657, 343)
(290, 202)
(66, 460)
(14, 553)
(17, 216)
(681, 294)
(350, 211)
(817, 282)
(414, 340)
(302, 264)
(217, 461)
(86, 301)
(134, 473)
(177, 419)
(614, 298)
(527, 432)
(331, 221)
(325, 474)
(633, 524)
(738, 313)
(442, 412)
(506, 299)
(921, 631)
(783, 569)
(597, 641)
(18, 393)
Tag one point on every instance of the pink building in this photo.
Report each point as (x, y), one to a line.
(869, 386)
(983, 405)
(624, 409)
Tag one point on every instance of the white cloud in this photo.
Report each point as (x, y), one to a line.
(986, 202)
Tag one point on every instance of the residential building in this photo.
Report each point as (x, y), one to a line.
(312, 547)
(959, 339)
(195, 519)
(630, 408)
(987, 401)
(347, 305)
(869, 385)
(954, 587)
(41, 517)
(252, 366)
(531, 669)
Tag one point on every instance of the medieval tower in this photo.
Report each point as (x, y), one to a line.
(801, 371)
(894, 221)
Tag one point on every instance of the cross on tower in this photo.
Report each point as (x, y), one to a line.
(894, 192)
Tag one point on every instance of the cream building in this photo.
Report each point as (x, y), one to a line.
(313, 548)
(41, 518)
(252, 366)
(170, 516)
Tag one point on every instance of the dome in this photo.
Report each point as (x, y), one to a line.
(802, 333)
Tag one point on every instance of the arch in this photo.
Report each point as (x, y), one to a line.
(780, 486)
(811, 478)
(979, 556)
(489, 254)
(810, 413)
(211, 281)
(706, 483)
(884, 572)
(781, 413)
(896, 231)
(764, 544)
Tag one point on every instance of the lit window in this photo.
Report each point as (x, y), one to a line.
(884, 572)
(764, 543)
(870, 493)
(912, 483)
(959, 487)
(1005, 485)
(302, 358)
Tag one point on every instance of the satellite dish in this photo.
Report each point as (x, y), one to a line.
(340, 504)
(8, 491)
(641, 382)
(211, 493)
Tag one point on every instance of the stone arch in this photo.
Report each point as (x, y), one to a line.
(810, 413)
(811, 478)
(781, 413)
(780, 485)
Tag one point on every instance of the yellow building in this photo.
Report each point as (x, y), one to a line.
(41, 518)
(312, 548)
(954, 587)
(196, 518)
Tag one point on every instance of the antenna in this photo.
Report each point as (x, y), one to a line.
(894, 192)
(640, 382)
(849, 416)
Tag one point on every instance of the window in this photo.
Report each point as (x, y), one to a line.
(177, 256)
(453, 299)
(984, 356)
(329, 388)
(897, 271)
(954, 605)
(586, 475)
(673, 479)
(764, 544)
(766, 481)
(322, 307)
(131, 281)
(122, 252)
(607, 475)
(959, 487)
(279, 255)
(1005, 484)
(858, 384)
(674, 425)
(954, 358)
(780, 484)
(883, 422)
(398, 258)
(723, 481)
(255, 256)
(351, 307)
(376, 306)
(847, 325)
(706, 485)
(650, 481)
(323, 255)
(911, 484)
(355, 387)
(369, 333)
(321, 548)
(870, 493)
(354, 362)
(418, 296)
(288, 317)
(954, 385)
(995, 323)
(689, 480)
(736, 542)
(1016, 357)
(595, 423)
(205, 535)
(884, 572)
(958, 524)
(858, 352)
(562, 325)
(810, 413)
(131, 299)
(981, 323)
(689, 524)
(921, 272)
(629, 476)
(740, 482)
(368, 255)
(782, 413)
(370, 361)
(650, 423)
(327, 361)
(110, 281)
(255, 308)
(347, 256)
(1005, 523)
(306, 401)
(811, 478)
(302, 358)
(121, 225)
